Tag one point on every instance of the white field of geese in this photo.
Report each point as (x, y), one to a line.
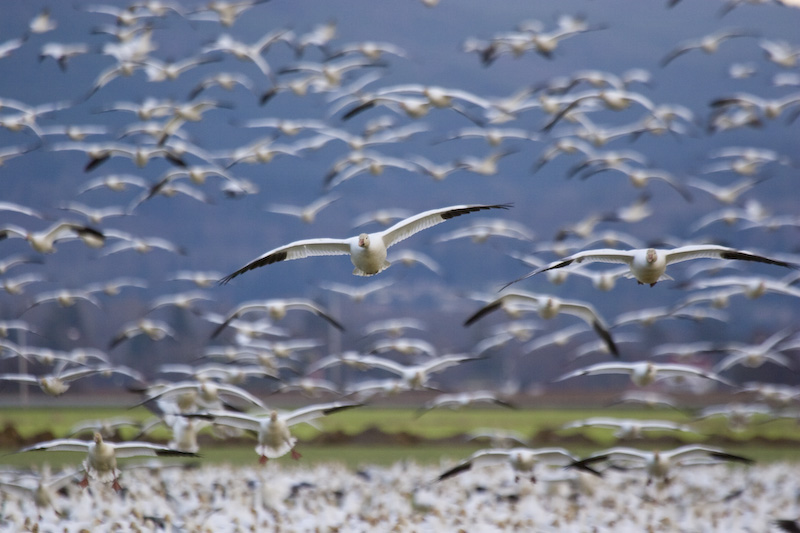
(173, 171)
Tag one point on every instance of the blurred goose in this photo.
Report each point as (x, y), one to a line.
(462, 399)
(276, 309)
(44, 241)
(521, 460)
(155, 329)
(657, 464)
(367, 251)
(643, 373)
(548, 307)
(101, 459)
(628, 428)
(274, 436)
(306, 213)
(58, 383)
(648, 266)
(708, 43)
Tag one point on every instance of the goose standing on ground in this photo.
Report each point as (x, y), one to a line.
(648, 265)
(101, 460)
(367, 251)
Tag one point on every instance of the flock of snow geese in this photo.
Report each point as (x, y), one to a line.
(165, 95)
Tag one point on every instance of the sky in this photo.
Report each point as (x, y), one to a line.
(225, 233)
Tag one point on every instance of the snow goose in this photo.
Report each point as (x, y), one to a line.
(155, 329)
(116, 183)
(225, 80)
(548, 307)
(93, 214)
(64, 298)
(181, 300)
(306, 213)
(521, 460)
(394, 327)
(248, 52)
(462, 399)
(17, 284)
(199, 393)
(628, 428)
(755, 355)
(657, 464)
(769, 108)
(44, 241)
(727, 194)
(415, 376)
(274, 436)
(751, 286)
(648, 265)
(201, 278)
(367, 251)
(643, 373)
(101, 459)
(356, 294)
(405, 346)
(781, 53)
(276, 309)
(708, 43)
(58, 383)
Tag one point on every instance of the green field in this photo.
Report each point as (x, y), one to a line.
(378, 435)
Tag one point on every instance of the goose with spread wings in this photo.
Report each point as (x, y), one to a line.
(101, 456)
(274, 437)
(548, 307)
(649, 265)
(368, 250)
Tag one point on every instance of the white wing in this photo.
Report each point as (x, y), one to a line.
(296, 250)
(414, 224)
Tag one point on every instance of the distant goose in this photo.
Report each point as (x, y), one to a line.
(627, 428)
(463, 399)
(643, 373)
(44, 241)
(274, 437)
(276, 309)
(521, 460)
(649, 265)
(548, 307)
(367, 251)
(657, 463)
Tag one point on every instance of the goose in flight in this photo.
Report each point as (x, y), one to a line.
(367, 251)
(657, 463)
(274, 437)
(643, 373)
(648, 265)
(521, 460)
(101, 459)
(548, 307)
(276, 309)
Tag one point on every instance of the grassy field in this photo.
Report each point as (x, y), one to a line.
(377, 435)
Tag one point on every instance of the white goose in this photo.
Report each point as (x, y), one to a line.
(643, 373)
(367, 251)
(274, 437)
(548, 307)
(101, 459)
(657, 463)
(649, 265)
(521, 460)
